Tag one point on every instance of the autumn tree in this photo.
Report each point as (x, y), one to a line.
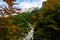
(10, 2)
(48, 21)
(8, 29)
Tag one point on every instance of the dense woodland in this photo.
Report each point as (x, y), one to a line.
(46, 21)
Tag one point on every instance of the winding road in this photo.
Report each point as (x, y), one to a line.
(30, 33)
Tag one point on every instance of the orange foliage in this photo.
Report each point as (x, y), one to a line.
(10, 2)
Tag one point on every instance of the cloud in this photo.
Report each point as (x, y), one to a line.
(25, 3)
(1, 0)
(29, 4)
(3, 4)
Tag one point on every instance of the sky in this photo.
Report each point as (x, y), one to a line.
(25, 3)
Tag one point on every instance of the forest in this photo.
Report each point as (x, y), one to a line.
(46, 21)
